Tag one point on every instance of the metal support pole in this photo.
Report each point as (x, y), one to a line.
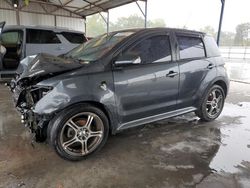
(221, 19)
(17, 17)
(55, 21)
(85, 26)
(146, 13)
(107, 22)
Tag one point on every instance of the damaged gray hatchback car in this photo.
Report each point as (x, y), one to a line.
(118, 81)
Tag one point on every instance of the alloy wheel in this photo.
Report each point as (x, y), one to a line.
(82, 134)
(214, 103)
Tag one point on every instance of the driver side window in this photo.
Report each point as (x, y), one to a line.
(151, 50)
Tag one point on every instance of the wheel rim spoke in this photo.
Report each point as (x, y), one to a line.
(219, 98)
(69, 142)
(95, 134)
(84, 147)
(217, 109)
(214, 94)
(89, 121)
(209, 103)
(211, 110)
(72, 125)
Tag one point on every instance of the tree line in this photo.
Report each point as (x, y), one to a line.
(97, 26)
(241, 36)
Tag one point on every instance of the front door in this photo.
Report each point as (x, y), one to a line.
(146, 79)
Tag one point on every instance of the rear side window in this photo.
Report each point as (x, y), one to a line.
(190, 47)
(75, 38)
(211, 47)
(152, 50)
(36, 36)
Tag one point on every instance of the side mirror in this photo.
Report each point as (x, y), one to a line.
(128, 62)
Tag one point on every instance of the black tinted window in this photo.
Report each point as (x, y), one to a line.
(190, 47)
(76, 38)
(152, 50)
(36, 36)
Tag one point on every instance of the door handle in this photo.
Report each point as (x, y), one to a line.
(210, 66)
(171, 74)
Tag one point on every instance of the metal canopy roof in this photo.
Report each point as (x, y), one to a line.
(85, 8)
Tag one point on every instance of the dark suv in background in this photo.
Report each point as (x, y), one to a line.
(117, 81)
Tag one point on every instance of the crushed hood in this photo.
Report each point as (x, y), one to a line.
(45, 65)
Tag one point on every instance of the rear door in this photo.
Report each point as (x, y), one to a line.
(194, 67)
(146, 79)
(42, 41)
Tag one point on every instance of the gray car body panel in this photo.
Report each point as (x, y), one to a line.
(129, 100)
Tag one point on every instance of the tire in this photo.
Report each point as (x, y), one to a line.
(78, 131)
(211, 106)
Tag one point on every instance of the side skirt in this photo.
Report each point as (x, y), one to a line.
(154, 118)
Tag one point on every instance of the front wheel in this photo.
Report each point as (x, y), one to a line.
(78, 132)
(212, 104)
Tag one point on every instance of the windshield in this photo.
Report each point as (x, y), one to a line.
(97, 47)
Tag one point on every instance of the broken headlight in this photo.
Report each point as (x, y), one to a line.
(45, 91)
(39, 92)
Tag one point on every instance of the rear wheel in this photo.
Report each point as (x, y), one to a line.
(212, 104)
(79, 131)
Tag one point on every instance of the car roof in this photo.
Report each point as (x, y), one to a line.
(55, 29)
(157, 29)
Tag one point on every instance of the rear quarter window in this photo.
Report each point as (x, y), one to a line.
(76, 38)
(211, 47)
(190, 47)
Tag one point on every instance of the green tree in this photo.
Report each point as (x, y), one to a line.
(135, 21)
(26, 2)
(95, 26)
(156, 23)
(209, 30)
(241, 37)
(226, 38)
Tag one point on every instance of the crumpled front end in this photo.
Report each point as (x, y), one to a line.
(27, 92)
(25, 99)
